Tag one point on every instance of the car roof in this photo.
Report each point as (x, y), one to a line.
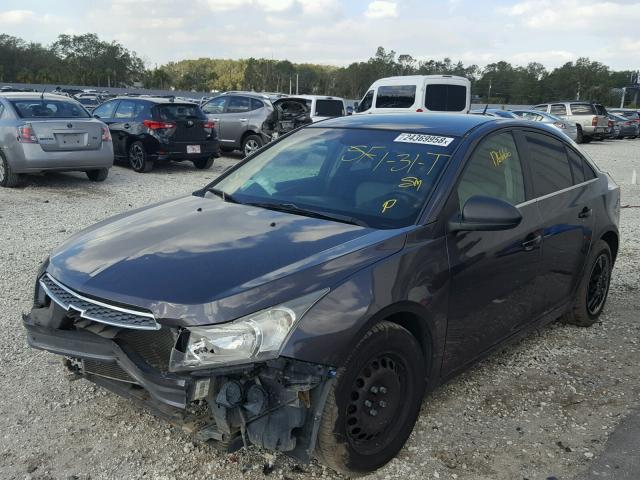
(33, 96)
(159, 100)
(317, 97)
(440, 123)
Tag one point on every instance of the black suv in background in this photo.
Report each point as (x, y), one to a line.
(147, 130)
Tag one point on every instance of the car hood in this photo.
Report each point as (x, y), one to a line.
(200, 260)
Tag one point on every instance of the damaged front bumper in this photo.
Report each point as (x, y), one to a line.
(275, 404)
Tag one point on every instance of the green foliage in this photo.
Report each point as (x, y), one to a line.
(86, 60)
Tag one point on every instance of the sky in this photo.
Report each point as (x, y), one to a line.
(338, 32)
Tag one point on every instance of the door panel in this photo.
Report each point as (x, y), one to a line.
(493, 273)
(567, 209)
(214, 110)
(236, 120)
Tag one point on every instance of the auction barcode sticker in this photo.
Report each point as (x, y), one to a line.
(424, 139)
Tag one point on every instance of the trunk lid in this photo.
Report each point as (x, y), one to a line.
(67, 135)
(189, 121)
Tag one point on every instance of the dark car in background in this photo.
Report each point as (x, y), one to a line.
(623, 126)
(307, 298)
(149, 130)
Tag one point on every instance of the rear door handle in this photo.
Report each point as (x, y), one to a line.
(531, 241)
(585, 213)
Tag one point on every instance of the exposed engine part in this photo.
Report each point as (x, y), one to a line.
(288, 114)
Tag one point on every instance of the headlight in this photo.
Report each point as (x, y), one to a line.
(256, 337)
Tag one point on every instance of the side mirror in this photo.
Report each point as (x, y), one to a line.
(486, 214)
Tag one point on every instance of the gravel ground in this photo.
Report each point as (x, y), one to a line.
(542, 408)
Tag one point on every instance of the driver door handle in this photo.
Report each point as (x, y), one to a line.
(531, 241)
(585, 213)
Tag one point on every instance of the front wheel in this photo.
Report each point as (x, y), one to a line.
(593, 289)
(138, 158)
(586, 139)
(580, 135)
(374, 404)
(250, 144)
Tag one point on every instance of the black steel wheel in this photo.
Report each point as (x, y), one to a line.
(138, 158)
(593, 289)
(374, 404)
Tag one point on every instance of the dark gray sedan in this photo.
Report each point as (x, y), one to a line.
(306, 299)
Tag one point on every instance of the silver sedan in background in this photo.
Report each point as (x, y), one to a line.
(568, 128)
(46, 132)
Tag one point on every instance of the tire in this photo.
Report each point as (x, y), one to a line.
(8, 178)
(203, 163)
(138, 158)
(99, 175)
(580, 136)
(386, 368)
(250, 144)
(593, 289)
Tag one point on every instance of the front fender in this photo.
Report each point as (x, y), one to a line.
(411, 284)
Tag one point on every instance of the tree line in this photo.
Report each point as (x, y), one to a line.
(87, 60)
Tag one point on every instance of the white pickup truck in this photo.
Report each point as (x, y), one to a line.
(590, 118)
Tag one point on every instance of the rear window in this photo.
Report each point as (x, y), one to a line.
(446, 98)
(559, 109)
(329, 108)
(600, 110)
(178, 111)
(48, 109)
(630, 115)
(396, 96)
(582, 109)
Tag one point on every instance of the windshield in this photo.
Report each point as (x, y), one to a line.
(329, 108)
(48, 109)
(381, 178)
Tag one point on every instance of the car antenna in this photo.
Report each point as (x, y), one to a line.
(484, 112)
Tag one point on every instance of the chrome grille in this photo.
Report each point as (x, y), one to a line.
(107, 370)
(97, 311)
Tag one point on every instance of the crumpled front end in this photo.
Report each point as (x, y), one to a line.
(274, 404)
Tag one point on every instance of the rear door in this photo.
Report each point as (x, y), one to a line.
(493, 273)
(566, 211)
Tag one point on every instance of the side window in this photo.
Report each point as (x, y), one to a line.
(366, 102)
(239, 105)
(577, 166)
(589, 174)
(542, 108)
(445, 97)
(143, 111)
(215, 106)
(105, 110)
(126, 110)
(396, 96)
(256, 104)
(549, 164)
(582, 109)
(493, 170)
(558, 109)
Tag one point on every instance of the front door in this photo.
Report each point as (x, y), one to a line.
(236, 120)
(493, 273)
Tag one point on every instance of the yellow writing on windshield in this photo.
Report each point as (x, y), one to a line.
(388, 204)
(409, 182)
(499, 156)
(358, 152)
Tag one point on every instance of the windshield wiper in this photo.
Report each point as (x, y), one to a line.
(293, 208)
(227, 197)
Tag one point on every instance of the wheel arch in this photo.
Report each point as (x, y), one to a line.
(613, 241)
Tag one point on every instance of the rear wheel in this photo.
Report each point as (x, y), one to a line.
(593, 289)
(250, 144)
(8, 178)
(99, 175)
(138, 158)
(203, 163)
(374, 404)
(579, 136)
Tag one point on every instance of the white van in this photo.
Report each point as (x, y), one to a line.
(417, 93)
(322, 106)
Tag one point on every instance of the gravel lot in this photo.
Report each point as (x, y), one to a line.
(541, 408)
